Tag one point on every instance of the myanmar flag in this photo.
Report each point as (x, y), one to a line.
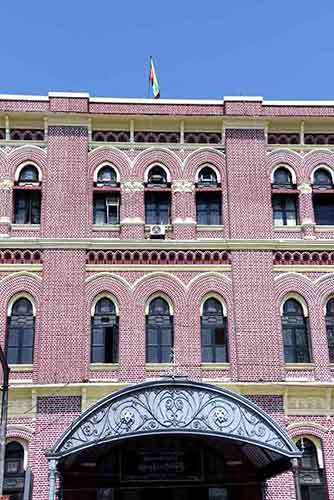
(154, 80)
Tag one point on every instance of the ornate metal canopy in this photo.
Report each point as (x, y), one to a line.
(174, 406)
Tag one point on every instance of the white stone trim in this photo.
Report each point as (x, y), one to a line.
(21, 295)
(69, 94)
(23, 443)
(157, 164)
(213, 295)
(298, 298)
(104, 295)
(317, 443)
(106, 164)
(24, 164)
(287, 167)
(241, 98)
(322, 166)
(159, 295)
(208, 165)
(21, 97)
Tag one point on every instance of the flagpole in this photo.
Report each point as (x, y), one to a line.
(148, 81)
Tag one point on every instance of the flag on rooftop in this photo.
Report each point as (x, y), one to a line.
(154, 80)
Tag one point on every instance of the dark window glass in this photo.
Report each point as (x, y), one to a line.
(106, 208)
(295, 333)
(330, 328)
(322, 179)
(282, 178)
(157, 176)
(207, 177)
(213, 332)
(107, 175)
(323, 205)
(311, 477)
(104, 333)
(27, 207)
(285, 210)
(29, 173)
(208, 208)
(159, 332)
(157, 208)
(21, 332)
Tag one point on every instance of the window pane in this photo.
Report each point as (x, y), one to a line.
(323, 209)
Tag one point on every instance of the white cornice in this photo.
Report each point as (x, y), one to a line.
(242, 98)
(80, 95)
(20, 97)
(123, 100)
(297, 103)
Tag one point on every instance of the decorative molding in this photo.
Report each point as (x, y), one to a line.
(305, 188)
(6, 184)
(174, 406)
(132, 186)
(303, 261)
(182, 186)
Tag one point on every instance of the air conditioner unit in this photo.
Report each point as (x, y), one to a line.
(157, 231)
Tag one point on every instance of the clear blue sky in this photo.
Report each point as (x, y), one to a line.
(202, 49)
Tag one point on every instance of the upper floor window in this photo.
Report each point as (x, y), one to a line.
(323, 200)
(207, 177)
(295, 333)
(107, 176)
(159, 332)
(27, 196)
(20, 333)
(157, 176)
(330, 328)
(311, 476)
(104, 347)
(285, 204)
(213, 332)
(14, 470)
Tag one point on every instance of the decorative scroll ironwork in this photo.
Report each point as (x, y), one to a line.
(303, 258)
(11, 256)
(170, 257)
(20, 134)
(178, 407)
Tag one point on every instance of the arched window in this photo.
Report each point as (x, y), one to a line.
(157, 197)
(322, 179)
(27, 196)
(157, 176)
(104, 332)
(330, 328)
(295, 333)
(207, 177)
(107, 176)
(28, 174)
(311, 477)
(21, 333)
(159, 332)
(14, 470)
(323, 200)
(285, 204)
(282, 178)
(213, 332)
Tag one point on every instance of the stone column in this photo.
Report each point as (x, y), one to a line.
(132, 210)
(306, 213)
(52, 463)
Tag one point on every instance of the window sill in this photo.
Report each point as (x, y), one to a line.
(106, 227)
(324, 229)
(104, 366)
(26, 227)
(158, 366)
(208, 227)
(287, 228)
(299, 366)
(21, 368)
(215, 366)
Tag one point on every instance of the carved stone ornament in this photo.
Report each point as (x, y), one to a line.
(305, 188)
(6, 184)
(132, 186)
(182, 186)
(174, 406)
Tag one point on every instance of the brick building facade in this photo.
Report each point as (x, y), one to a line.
(235, 215)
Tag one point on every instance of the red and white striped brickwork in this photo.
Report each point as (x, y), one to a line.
(63, 289)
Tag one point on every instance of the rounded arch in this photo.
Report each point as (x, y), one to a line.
(157, 164)
(161, 283)
(104, 295)
(25, 446)
(28, 154)
(160, 156)
(317, 442)
(16, 297)
(25, 164)
(201, 157)
(106, 164)
(212, 167)
(298, 298)
(285, 158)
(315, 159)
(218, 297)
(202, 410)
(287, 167)
(111, 155)
(159, 295)
(322, 166)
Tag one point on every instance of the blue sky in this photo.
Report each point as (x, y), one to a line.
(202, 49)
